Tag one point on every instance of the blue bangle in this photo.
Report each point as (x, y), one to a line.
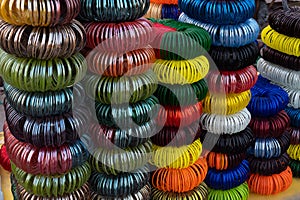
(170, 11)
(228, 35)
(228, 179)
(294, 115)
(219, 12)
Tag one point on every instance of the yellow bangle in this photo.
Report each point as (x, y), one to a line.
(226, 105)
(294, 152)
(181, 71)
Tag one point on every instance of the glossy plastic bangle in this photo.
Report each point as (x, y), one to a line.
(118, 186)
(268, 185)
(294, 115)
(53, 186)
(226, 124)
(164, 1)
(240, 192)
(286, 22)
(155, 11)
(228, 35)
(226, 105)
(126, 89)
(295, 167)
(181, 95)
(42, 42)
(218, 12)
(270, 166)
(120, 64)
(118, 37)
(180, 180)
(176, 157)
(228, 179)
(220, 161)
(280, 42)
(173, 116)
(278, 74)
(295, 135)
(108, 11)
(294, 96)
(294, 151)
(273, 126)
(282, 59)
(232, 81)
(163, 11)
(41, 13)
(115, 161)
(33, 75)
(4, 158)
(231, 59)
(177, 136)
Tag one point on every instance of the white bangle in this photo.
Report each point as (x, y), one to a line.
(294, 96)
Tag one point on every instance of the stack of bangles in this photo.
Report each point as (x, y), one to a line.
(221, 161)
(295, 135)
(240, 192)
(294, 115)
(294, 96)
(162, 10)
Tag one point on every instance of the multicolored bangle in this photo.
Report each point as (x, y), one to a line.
(163, 11)
(240, 192)
(221, 161)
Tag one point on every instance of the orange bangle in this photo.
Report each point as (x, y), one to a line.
(221, 161)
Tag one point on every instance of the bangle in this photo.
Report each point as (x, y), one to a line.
(228, 144)
(278, 74)
(294, 97)
(270, 166)
(293, 151)
(155, 11)
(231, 59)
(280, 42)
(221, 161)
(173, 116)
(117, 11)
(177, 136)
(240, 192)
(115, 161)
(218, 12)
(273, 126)
(295, 135)
(168, 2)
(282, 59)
(45, 160)
(119, 186)
(42, 42)
(117, 37)
(295, 167)
(163, 11)
(232, 81)
(226, 105)
(180, 180)
(225, 124)
(269, 185)
(228, 179)
(34, 75)
(114, 90)
(294, 115)
(176, 157)
(48, 186)
(286, 22)
(4, 158)
(228, 35)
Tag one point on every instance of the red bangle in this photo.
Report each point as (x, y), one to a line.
(4, 158)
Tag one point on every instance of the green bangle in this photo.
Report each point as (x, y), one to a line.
(238, 193)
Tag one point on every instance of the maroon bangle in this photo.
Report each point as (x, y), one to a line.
(295, 135)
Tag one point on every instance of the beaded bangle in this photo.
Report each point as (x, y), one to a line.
(286, 22)
(177, 136)
(46, 160)
(47, 131)
(33, 75)
(295, 135)
(228, 35)
(180, 180)
(220, 161)
(4, 158)
(218, 12)
(284, 60)
(118, 37)
(226, 105)
(118, 186)
(41, 13)
(228, 144)
(182, 71)
(268, 185)
(42, 42)
(108, 11)
(278, 74)
(119, 90)
(280, 42)
(270, 127)
(294, 97)
(164, 1)
(176, 157)
(268, 167)
(173, 116)
(228, 124)
(49, 186)
(240, 192)
(293, 151)
(232, 81)
(231, 59)
(295, 167)
(228, 179)
(181, 95)
(115, 161)
(294, 115)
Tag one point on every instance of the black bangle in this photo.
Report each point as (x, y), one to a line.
(220, 161)
(295, 166)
